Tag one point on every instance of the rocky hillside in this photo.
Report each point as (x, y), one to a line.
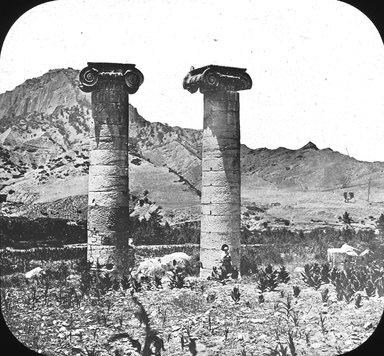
(44, 159)
(308, 168)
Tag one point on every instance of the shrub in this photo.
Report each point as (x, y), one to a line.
(192, 266)
(346, 218)
(177, 278)
(312, 275)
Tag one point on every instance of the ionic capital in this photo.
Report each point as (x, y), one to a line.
(92, 76)
(217, 78)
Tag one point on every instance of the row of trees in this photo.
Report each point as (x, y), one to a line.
(20, 231)
(154, 232)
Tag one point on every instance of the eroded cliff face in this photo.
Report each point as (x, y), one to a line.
(45, 125)
(57, 88)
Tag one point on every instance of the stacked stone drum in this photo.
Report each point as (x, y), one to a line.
(108, 187)
(221, 176)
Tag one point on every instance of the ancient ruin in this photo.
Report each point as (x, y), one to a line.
(220, 191)
(108, 195)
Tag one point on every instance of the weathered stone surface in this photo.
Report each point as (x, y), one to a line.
(219, 178)
(215, 116)
(159, 266)
(222, 98)
(224, 194)
(108, 238)
(104, 219)
(103, 254)
(220, 163)
(109, 113)
(212, 239)
(221, 154)
(150, 267)
(109, 143)
(109, 157)
(108, 170)
(216, 80)
(220, 223)
(221, 133)
(123, 259)
(108, 198)
(106, 183)
(220, 209)
(180, 258)
(216, 121)
(103, 78)
(220, 186)
(215, 145)
(109, 130)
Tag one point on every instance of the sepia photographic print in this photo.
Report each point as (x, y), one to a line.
(192, 178)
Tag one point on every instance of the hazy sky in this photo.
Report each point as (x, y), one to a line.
(317, 65)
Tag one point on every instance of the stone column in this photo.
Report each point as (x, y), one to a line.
(108, 187)
(221, 176)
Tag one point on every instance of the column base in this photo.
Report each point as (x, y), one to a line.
(121, 259)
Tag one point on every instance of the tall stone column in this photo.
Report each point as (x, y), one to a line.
(221, 176)
(108, 187)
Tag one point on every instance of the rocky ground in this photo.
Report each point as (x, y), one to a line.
(55, 323)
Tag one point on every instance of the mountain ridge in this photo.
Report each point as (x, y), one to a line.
(44, 142)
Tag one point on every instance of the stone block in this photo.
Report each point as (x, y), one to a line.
(109, 157)
(224, 194)
(218, 98)
(108, 170)
(220, 223)
(111, 238)
(109, 94)
(221, 119)
(109, 130)
(109, 143)
(107, 184)
(213, 144)
(220, 178)
(104, 219)
(221, 133)
(225, 163)
(123, 259)
(108, 198)
(220, 209)
(215, 240)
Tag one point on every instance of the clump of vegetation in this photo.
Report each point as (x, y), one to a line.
(269, 278)
(235, 294)
(177, 278)
(283, 275)
(312, 275)
(347, 220)
(296, 291)
(353, 278)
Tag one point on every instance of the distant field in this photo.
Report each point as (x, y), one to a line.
(323, 208)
